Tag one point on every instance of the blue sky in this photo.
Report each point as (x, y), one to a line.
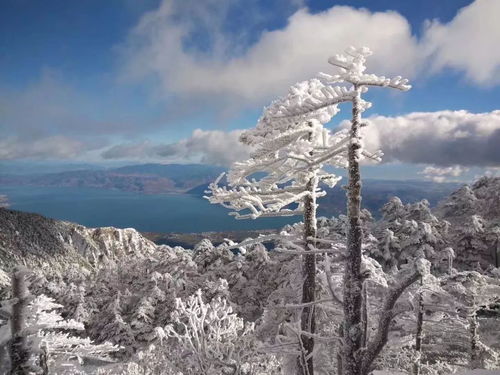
(174, 80)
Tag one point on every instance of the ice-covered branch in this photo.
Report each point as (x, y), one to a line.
(322, 106)
(288, 162)
(306, 101)
(352, 70)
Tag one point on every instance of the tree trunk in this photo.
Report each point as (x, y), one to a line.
(496, 253)
(352, 275)
(307, 318)
(364, 316)
(339, 354)
(19, 351)
(418, 334)
(474, 358)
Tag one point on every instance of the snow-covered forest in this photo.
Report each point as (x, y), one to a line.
(415, 292)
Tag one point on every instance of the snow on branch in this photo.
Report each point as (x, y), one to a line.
(352, 69)
(305, 101)
(287, 162)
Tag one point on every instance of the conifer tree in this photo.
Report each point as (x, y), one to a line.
(356, 359)
(291, 154)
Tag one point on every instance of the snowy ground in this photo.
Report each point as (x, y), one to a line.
(465, 372)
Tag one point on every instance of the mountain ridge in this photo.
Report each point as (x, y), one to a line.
(142, 178)
(29, 237)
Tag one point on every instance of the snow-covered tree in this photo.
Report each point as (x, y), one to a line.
(20, 351)
(409, 231)
(318, 101)
(48, 344)
(290, 153)
(60, 348)
(109, 325)
(475, 228)
(348, 86)
(352, 72)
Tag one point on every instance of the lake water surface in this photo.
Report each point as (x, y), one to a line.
(147, 213)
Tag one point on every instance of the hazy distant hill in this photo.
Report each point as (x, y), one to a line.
(19, 167)
(378, 192)
(145, 178)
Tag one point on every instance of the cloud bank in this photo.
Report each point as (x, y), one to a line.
(159, 46)
(450, 141)
(51, 147)
(50, 119)
(443, 138)
(214, 147)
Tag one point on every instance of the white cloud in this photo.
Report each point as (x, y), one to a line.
(46, 107)
(299, 50)
(442, 138)
(468, 43)
(49, 118)
(443, 174)
(214, 147)
(276, 60)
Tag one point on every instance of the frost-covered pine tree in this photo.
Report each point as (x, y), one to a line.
(20, 350)
(49, 344)
(290, 152)
(409, 231)
(348, 86)
(109, 325)
(352, 72)
(475, 231)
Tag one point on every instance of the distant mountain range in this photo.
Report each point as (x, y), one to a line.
(194, 179)
(376, 193)
(144, 178)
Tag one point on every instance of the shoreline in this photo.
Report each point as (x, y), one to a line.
(189, 240)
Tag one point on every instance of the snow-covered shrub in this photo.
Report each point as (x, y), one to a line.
(213, 340)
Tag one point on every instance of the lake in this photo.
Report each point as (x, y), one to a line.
(146, 213)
